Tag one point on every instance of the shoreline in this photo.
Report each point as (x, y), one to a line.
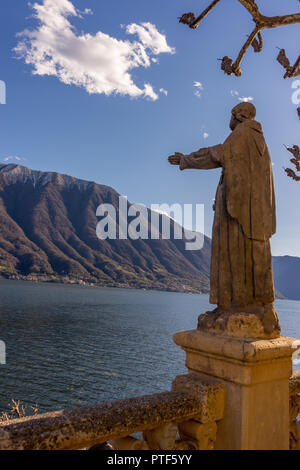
(65, 280)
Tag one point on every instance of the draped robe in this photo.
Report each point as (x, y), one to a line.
(241, 262)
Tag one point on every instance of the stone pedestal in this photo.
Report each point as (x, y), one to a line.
(256, 376)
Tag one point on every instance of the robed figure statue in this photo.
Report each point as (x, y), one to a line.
(241, 281)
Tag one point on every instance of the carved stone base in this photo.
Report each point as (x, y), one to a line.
(255, 374)
(250, 322)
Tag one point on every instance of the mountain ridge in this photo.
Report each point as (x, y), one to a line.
(48, 232)
(48, 228)
(287, 275)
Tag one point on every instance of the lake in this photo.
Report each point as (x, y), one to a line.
(70, 346)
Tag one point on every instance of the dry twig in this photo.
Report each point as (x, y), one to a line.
(17, 410)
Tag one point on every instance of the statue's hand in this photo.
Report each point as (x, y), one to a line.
(175, 159)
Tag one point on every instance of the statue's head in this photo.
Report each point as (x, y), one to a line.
(242, 112)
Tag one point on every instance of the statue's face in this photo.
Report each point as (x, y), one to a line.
(233, 122)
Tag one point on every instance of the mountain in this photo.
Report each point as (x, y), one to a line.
(48, 231)
(287, 276)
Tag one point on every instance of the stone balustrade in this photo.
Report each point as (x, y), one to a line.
(295, 410)
(238, 394)
(185, 418)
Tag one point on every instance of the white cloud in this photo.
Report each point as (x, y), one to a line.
(149, 92)
(7, 159)
(204, 132)
(165, 92)
(236, 93)
(198, 85)
(198, 89)
(246, 99)
(99, 63)
(150, 37)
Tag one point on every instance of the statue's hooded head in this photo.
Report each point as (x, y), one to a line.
(242, 112)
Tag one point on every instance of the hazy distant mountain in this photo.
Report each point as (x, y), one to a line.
(287, 276)
(48, 231)
(48, 228)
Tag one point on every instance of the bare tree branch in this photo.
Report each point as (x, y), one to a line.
(275, 21)
(195, 24)
(236, 66)
(192, 21)
(256, 41)
(253, 9)
(261, 21)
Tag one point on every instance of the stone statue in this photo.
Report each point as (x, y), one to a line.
(241, 282)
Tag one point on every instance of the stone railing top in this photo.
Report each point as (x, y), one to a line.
(207, 389)
(249, 350)
(295, 383)
(86, 426)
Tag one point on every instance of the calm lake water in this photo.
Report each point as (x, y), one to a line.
(70, 346)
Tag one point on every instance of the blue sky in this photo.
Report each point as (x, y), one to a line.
(123, 138)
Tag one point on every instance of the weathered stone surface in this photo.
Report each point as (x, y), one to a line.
(294, 407)
(295, 436)
(87, 426)
(295, 383)
(192, 436)
(294, 387)
(204, 435)
(161, 438)
(209, 390)
(245, 350)
(258, 322)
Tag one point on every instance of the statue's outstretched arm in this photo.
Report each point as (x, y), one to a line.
(204, 159)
